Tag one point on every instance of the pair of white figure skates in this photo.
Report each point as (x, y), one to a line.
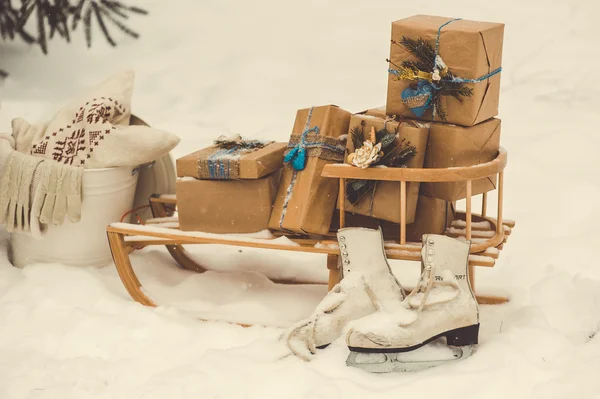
(385, 323)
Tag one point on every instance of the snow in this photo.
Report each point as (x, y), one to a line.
(211, 68)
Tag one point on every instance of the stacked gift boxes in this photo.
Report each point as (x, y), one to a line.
(442, 103)
(229, 187)
(446, 71)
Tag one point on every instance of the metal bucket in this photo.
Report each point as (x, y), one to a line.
(107, 194)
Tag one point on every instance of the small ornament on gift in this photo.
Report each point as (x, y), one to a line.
(369, 153)
(381, 149)
(297, 155)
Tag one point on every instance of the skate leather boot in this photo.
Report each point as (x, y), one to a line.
(366, 286)
(441, 305)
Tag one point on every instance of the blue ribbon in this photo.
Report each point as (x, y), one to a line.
(216, 166)
(422, 95)
(297, 156)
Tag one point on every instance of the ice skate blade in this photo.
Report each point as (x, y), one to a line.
(390, 362)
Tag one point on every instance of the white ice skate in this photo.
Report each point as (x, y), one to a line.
(441, 305)
(367, 284)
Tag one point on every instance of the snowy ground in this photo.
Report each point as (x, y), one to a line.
(218, 67)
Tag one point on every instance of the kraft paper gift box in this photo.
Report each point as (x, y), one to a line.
(306, 201)
(228, 187)
(384, 202)
(468, 50)
(226, 206)
(454, 146)
(215, 162)
(432, 216)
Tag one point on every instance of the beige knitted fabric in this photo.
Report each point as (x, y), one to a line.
(93, 131)
(35, 192)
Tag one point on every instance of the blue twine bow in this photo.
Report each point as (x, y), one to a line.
(419, 99)
(297, 156)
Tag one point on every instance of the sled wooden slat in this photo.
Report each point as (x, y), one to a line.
(126, 273)
(464, 173)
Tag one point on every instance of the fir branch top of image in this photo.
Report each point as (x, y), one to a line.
(379, 148)
(62, 17)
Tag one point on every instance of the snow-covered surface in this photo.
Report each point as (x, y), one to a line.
(222, 67)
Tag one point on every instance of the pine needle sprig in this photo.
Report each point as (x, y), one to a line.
(415, 65)
(238, 142)
(403, 157)
(437, 105)
(420, 49)
(57, 18)
(358, 136)
(395, 158)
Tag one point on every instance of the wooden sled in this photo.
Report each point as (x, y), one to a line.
(487, 234)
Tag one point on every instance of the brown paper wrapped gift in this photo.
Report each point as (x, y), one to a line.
(384, 202)
(217, 163)
(306, 201)
(469, 49)
(433, 216)
(226, 206)
(451, 146)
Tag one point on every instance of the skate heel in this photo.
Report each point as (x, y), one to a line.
(463, 336)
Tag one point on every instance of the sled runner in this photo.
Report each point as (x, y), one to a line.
(487, 234)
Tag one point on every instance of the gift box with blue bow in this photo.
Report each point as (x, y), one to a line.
(445, 69)
(305, 202)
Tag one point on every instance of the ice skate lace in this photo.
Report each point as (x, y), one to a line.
(425, 285)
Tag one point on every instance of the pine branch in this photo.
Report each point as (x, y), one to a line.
(456, 90)
(390, 155)
(57, 19)
(119, 24)
(437, 105)
(358, 137)
(41, 8)
(420, 49)
(27, 8)
(61, 17)
(76, 12)
(116, 5)
(87, 25)
(98, 14)
(402, 158)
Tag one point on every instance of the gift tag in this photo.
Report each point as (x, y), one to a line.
(418, 99)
